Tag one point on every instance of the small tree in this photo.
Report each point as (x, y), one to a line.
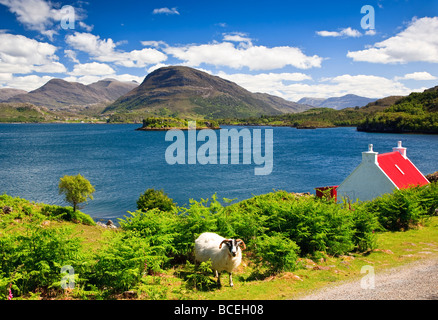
(77, 190)
(152, 198)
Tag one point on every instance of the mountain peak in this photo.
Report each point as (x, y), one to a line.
(59, 93)
(186, 91)
(346, 101)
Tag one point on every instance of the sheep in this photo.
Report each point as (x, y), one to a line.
(223, 257)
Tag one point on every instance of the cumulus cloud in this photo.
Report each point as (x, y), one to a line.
(19, 54)
(294, 86)
(239, 37)
(87, 79)
(243, 54)
(41, 15)
(28, 83)
(417, 76)
(165, 11)
(346, 32)
(93, 68)
(416, 43)
(264, 82)
(152, 43)
(36, 14)
(104, 50)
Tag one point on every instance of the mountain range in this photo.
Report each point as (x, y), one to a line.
(347, 101)
(61, 94)
(179, 90)
(170, 91)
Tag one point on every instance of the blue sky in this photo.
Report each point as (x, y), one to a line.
(292, 49)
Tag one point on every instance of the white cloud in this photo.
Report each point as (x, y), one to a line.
(165, 11)
(346, 32)
(302, 85)
(87, 79)
(42, 16)
(92, 69)
(71, 55)
(35, 14)
(263, 82)
(242, 38)
(417, 76)
(28, 83)
(157, 66)
(155, 44)
(104, 50)
(227, 54)
(19, 54)
(416, 43)
(85, 26)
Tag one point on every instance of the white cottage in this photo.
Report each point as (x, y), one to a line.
(380, 173)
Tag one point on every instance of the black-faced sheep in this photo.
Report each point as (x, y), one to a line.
(225, 254)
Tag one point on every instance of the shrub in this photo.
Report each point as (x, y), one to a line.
(152, 199)
(276, 252)
(121, 262)
(33, 259)
(199, 276)
(312, 224)
(67, 214)
(158, 228)
(365, 223)
(428, 198)
(399, 210)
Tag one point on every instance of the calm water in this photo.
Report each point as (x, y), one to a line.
(122, 163)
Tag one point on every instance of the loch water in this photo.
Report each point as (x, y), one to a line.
(122, 163)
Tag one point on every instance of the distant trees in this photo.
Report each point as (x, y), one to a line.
(152, 198)
(76, 189)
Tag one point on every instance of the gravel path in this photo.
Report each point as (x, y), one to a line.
(415, 281)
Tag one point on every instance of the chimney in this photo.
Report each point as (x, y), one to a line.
(370, 156)
(400, 149)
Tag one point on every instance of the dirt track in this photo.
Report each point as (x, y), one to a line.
(415, 281)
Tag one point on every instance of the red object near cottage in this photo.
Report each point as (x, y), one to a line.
(330, 192)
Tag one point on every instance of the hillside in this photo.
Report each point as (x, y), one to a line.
(7, 93)
(153, 250)
(346, 101)
(25, 112)
(416, 113)
(60, 94)
(184, 91)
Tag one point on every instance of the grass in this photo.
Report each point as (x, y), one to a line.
(394, 249)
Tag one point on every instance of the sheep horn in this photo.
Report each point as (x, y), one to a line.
(241, 242)
(225, 240)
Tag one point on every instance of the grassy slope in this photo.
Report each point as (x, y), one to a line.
(394, 249)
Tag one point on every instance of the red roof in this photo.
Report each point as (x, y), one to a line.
(400, 170)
